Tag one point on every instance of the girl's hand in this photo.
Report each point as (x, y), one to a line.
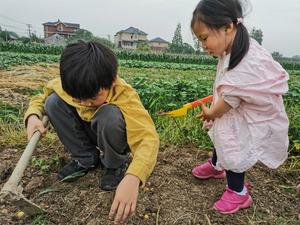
(206, 114)
(217, 110)
(34, 124)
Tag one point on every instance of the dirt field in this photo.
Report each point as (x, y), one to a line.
(171, 196)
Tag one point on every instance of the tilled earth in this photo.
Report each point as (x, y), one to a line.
(171, 196)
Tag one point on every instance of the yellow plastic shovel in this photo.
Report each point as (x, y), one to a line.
(183, 110)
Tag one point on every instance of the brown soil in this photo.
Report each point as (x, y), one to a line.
(171, 196)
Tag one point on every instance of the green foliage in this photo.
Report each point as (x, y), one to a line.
(7, 35)
(162, 88)
(161, 95)
(8, 59)
(177, 38)
(40, 163)
(257, 34)
(85, 35)
(143, 46)
(30, 48)
(45, 164)
(104, 41)
(277, 55)
(38, 90)
(40, 220)
(164, 65)
(165, 95)
(177, 44)
(166, 57)
(80, 34)
(292, 102)
(9, 114)
(34, 38)
(187, 49)
(287, 63)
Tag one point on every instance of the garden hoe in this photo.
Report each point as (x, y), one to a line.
(183, 110)
(12, 190)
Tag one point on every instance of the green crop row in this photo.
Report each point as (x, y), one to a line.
(30, 48)
(8, 59)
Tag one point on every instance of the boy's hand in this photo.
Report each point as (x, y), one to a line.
(34, 124)
(125, 200)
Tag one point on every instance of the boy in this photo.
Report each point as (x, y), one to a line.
(92, 109)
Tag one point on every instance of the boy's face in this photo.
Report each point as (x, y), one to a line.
(96, 101)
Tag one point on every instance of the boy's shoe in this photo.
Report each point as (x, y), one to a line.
(232, 202)
(206, 170)
(112, 177)
(72, 171)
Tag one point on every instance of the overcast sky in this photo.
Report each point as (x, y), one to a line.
(279, 20)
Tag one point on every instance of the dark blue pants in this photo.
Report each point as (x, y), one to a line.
(83, 140)
(235, 181)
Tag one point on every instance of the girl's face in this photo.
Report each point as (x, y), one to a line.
(215, 42)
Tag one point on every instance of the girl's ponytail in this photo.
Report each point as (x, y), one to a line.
(240, 45)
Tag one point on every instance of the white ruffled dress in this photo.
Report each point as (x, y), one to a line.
(256, 128)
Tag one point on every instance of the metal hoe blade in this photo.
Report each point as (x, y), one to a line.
(12, 190)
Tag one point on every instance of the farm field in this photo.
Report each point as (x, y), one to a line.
(172, 195)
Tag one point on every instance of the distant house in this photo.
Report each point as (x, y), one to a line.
(62, 28)
(158, 44)
(130, 38)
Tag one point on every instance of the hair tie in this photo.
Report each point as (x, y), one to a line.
(239, 20)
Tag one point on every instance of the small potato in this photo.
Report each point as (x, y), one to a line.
(298, 188)
(20, 214)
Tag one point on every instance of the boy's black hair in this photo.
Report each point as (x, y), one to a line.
(216, 14)
(87, 67)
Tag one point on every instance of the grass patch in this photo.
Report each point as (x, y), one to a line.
(9, 114)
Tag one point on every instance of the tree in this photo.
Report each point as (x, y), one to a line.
(188, 49)
(8, 35)
(85, 35)
(257, 34)
(103, 41)
(80, 34)
(277, 55)
(197, 46)
(177, 44)
(143, 46)
(24, 39)
(36, 39)
(297, 57)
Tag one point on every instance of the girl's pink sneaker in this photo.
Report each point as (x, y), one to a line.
(206, 170)
(232, 202)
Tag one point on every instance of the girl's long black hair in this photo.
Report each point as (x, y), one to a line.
(216, 14)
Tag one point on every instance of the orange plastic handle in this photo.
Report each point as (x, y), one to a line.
(202, 100)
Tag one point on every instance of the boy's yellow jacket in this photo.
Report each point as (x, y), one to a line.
(142, 137)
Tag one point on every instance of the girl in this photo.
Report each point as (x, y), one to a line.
(247, 119)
